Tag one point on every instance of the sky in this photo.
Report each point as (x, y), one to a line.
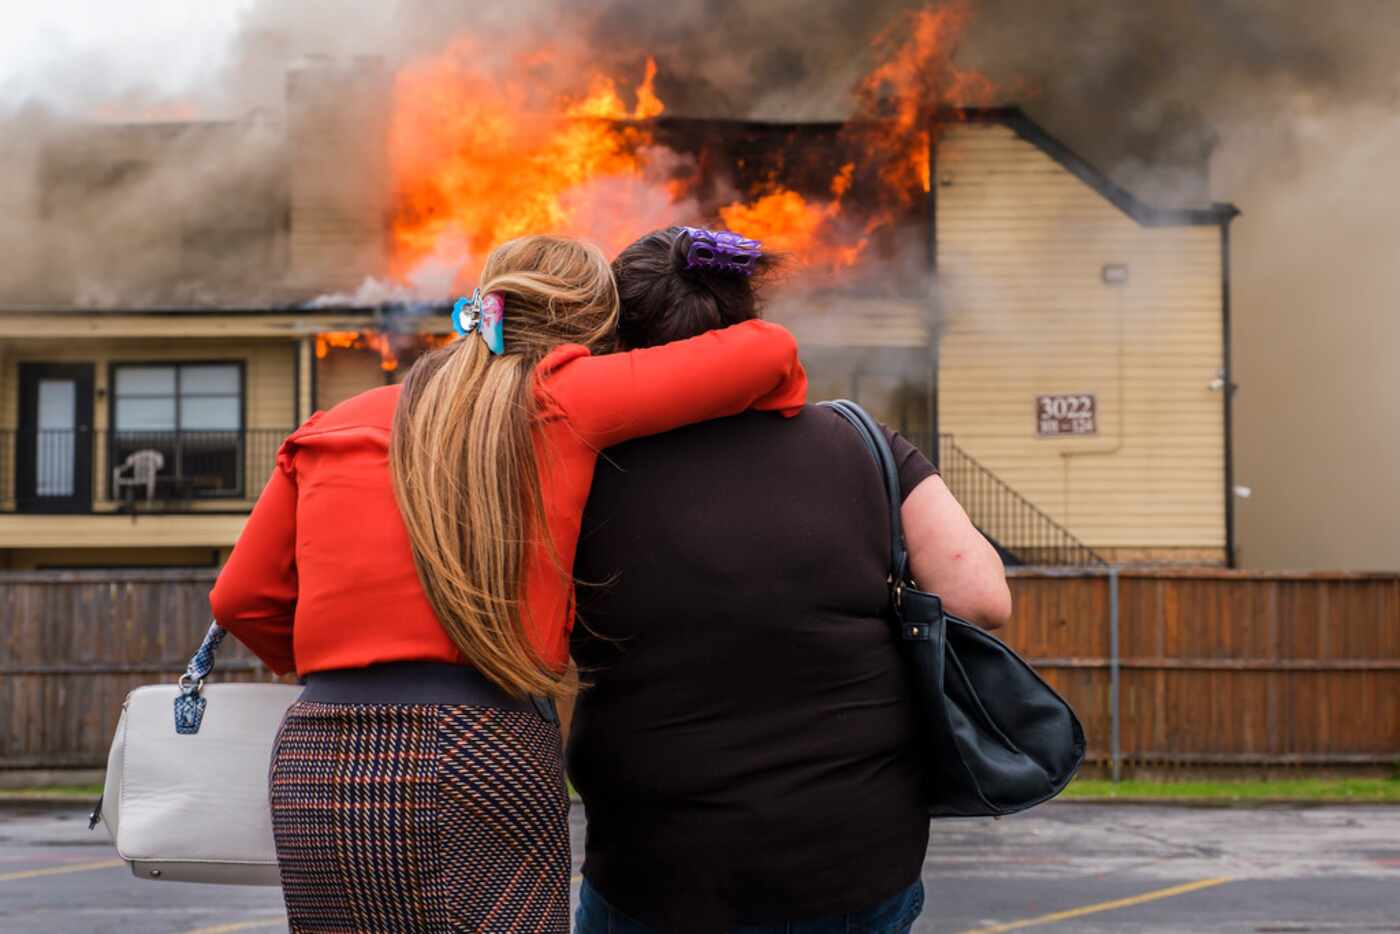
(92, 50)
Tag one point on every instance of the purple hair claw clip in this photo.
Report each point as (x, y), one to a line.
(721, 250)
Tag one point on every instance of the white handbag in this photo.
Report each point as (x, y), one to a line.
(186, 794)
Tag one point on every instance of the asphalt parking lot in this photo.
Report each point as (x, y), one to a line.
(1064, 867)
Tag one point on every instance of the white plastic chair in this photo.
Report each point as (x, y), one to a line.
(143, 466)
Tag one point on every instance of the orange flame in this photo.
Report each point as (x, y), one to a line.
(897, 104)
(648, 104)
(358, 340)
(477, 160)
(376, 341)
(788, 223)
(916, 78)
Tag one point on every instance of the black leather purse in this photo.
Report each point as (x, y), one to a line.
(999, 739)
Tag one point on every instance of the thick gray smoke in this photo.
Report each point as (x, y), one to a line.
(1146, 90)
(1150, 90)
(1286, 107)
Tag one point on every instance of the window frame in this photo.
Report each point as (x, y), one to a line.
(241, 432)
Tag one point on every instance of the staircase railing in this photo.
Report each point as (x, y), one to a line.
(1024, 533)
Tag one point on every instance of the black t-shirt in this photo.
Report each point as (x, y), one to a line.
(745, 744)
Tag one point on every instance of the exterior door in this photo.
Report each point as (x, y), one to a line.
(54, 452)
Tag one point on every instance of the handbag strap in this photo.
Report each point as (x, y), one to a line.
(189, 705)
(874, 437)
(202, 662)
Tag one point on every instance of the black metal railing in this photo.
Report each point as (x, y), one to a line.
(1023, 533)
(74, 470)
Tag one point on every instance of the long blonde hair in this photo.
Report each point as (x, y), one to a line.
(463, 459)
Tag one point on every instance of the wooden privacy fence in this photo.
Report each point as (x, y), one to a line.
(73, 643)
(1219, 668)
(1211, 668)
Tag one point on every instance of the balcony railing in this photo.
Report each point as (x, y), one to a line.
(103, 471)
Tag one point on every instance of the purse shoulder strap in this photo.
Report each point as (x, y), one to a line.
(202, 662)
(189, 705)
(874, 437)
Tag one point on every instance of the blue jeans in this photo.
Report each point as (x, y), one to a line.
(893, 916)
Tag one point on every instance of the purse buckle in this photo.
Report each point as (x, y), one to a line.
(189, 706)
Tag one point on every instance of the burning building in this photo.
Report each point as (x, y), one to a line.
(1057, 345)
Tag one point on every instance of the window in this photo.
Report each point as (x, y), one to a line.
(189, 414)
(56, 462)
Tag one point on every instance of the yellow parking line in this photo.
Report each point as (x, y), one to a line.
(61, 870)
(280, 920)
(1101, 906)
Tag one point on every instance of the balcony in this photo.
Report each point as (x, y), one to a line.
(102, 472)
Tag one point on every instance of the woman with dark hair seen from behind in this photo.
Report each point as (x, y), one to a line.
(410, 559)
(745, 745)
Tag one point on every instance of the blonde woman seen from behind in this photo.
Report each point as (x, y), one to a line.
(411, 559)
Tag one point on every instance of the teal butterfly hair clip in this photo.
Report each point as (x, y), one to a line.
(484, 315)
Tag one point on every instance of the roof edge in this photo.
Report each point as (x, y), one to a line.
(1015, 119)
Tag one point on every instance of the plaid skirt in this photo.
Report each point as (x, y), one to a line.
(420, 818)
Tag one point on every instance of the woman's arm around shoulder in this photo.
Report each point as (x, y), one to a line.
(615, 397)
(949, 557)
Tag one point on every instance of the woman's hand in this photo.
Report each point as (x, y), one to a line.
(949, 557)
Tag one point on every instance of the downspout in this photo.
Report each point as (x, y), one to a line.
(1228, 214)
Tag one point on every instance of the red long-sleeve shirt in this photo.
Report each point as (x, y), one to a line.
(323, 576)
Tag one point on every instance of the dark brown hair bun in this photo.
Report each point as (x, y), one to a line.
(663, 300)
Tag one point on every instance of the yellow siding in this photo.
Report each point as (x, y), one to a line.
(179, 530)
(9, 386)
(1022, 244)
(306, 369)
(343, 373)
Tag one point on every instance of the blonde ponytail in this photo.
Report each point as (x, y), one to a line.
(463, 458)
